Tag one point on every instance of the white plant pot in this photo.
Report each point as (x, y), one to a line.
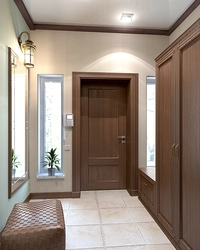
(51, 171)
(13, 173)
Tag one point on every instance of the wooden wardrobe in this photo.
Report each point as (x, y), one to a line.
(178, 140)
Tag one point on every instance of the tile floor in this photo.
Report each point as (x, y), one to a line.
(107, 220)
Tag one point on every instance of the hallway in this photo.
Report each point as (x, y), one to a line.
(107, 220)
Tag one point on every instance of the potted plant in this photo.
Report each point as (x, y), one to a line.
(52, 161)
(15, 163)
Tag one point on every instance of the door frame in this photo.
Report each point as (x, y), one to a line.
(131, 128)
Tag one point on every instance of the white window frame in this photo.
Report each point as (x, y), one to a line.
(42, 78)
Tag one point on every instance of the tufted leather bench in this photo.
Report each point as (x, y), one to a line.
(35, 226)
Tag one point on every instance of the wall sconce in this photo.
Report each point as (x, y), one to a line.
(28, 48)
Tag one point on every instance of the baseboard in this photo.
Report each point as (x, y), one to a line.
(133, 192)
(76, 194)
(28, 198)
(59, 195)
(0, 237)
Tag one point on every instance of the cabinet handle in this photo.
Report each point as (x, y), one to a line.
(176, 151)
(173, 150)
(145, 184)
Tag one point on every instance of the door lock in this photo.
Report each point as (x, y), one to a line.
(123, 138)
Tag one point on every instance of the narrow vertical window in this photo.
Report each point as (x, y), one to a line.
(49, 118)
(151, 114)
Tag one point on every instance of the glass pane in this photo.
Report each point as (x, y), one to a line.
(53, 116)
(151, 121)
(19, 123)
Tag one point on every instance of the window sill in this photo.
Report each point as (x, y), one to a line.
(47, 177)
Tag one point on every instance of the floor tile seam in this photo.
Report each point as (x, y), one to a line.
(127, 245)
(119, 223)
(96, 248)
(130, 214)
(83, 209)
(139, 221)
(106, 195)
(66, 218)
(113, 208)
(108, 247)
(117, 247)
(110, 207)
(83, 225)
(131, 206)
(137, 225)
(100, 222)
(124, 201)
(144, 209)
(65, 210)
(114, 223)
(153, 222)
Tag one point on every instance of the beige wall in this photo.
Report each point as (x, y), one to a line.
(61, 52)
(194, 16)
(11, 25)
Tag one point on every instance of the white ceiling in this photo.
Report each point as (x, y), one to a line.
(148, 14)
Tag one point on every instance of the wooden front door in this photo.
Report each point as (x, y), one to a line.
(103, 122)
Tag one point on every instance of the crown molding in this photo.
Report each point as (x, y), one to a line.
(103, 29)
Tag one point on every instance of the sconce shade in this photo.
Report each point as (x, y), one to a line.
(28, 48)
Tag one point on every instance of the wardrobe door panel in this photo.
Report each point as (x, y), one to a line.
(164, 143)
(190, 144)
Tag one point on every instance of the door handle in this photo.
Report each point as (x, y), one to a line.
(123, 138)
(176, 151)
(173, 150)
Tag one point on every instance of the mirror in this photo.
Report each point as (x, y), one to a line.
(17, 123)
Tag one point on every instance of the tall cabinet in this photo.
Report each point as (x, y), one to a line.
(178, 139)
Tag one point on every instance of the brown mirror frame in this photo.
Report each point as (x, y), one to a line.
(14, 184)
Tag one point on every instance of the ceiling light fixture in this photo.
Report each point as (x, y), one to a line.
(28, 48)
(126, 17)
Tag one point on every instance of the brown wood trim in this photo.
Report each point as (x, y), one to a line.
(133, 192)
(25, 14)
(179, 39)
(191, 8)
(132, 137)
(9, 122)
(0, 237)
(103, 29)
(106, 29)
(76, 194)
(28, 198)
(148, 175)
(59, 195)
(149, 195)
(132, 127)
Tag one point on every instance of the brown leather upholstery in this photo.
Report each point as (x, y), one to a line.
(35, 226)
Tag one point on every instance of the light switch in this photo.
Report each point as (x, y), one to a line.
(67, 147)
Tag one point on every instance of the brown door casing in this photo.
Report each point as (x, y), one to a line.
(131, 168)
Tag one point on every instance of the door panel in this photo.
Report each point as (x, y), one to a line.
(165, 125)
(190, 145)
(103, 119)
